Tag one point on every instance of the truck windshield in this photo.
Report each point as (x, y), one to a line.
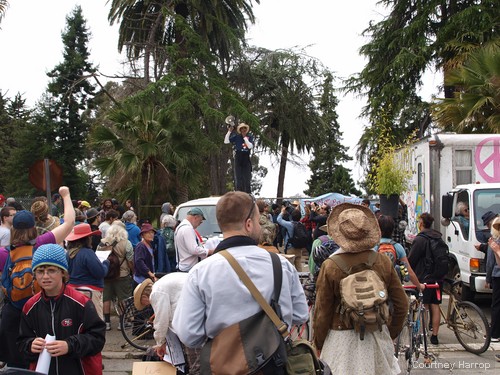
(209, 227)
(484, 201)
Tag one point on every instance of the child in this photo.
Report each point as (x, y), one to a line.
(60, 311)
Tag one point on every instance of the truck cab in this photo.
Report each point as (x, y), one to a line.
(462, 211)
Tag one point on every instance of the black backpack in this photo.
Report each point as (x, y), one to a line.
(300, 236)
(114, 262)
(436, 258)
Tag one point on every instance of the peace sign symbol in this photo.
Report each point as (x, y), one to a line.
(488, 162)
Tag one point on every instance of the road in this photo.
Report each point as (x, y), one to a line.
(451, 358)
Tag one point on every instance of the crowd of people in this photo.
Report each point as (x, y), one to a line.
(193, 290)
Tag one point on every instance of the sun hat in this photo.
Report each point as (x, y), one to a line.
(23, 220)
(496, 224)
(80, 231)
(196, 211)
(241, 126)
(487, 217)
(353, 227)
(50, 255)
(146, 227)
(85, 204)
(139, 291)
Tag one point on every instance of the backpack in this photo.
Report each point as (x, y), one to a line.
(19, 282)
(114, 262)
(300, 236)
(388, 249)
(363, 295)
(436, 258)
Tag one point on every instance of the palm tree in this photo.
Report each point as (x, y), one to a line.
(145, 156)
(475, 106)
(3, 7)
(148, 27)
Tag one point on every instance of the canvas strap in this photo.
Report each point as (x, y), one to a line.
(348, 268)
(280, 325)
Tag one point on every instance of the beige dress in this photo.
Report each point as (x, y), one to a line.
(345, 353)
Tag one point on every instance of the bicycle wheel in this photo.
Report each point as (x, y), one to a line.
(137, 326)
(404, 349)
(471, 327)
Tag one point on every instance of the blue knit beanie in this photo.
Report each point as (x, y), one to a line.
(50, 255)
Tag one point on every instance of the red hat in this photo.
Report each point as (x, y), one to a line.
(2, 199)
(146, 227)
(81, 231)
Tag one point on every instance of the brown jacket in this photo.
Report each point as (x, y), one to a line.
(326, 311)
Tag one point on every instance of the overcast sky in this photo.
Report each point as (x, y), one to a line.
(30, 42)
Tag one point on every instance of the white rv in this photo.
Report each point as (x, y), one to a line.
(448, 169)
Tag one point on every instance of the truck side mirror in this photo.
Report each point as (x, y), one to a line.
(447, 206)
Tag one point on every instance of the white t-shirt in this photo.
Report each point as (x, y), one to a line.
(4, 236)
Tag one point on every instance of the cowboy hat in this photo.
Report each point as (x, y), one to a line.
(353, 227)
(81, 231)
(138, 292)
(241, 126)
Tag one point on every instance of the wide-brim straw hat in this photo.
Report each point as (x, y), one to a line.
(353, 227)
(241, 126)
(138, 291)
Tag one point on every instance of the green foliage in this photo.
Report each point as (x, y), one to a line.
(414, 36)
(391, 177)
(389, 168)
(328, 174)
(475, 106)
(70, 102)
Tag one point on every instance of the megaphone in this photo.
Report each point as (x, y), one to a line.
(230, 120)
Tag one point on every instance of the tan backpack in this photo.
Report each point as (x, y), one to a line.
(363, 294)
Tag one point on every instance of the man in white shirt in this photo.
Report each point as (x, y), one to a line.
(214, 298)
(6, 216)
(188, 249)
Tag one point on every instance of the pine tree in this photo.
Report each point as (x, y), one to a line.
(71, 96)
(328, 173)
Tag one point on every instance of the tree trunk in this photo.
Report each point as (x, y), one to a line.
(281, 176)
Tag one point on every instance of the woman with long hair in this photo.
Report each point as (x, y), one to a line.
(120, 288)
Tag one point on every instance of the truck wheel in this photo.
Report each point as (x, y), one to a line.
(467, 294)
(463, 291)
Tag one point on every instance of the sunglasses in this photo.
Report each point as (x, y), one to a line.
(252, 208)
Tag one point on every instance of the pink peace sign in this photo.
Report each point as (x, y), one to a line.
(488, 163)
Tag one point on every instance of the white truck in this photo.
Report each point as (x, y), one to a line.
(447, 169)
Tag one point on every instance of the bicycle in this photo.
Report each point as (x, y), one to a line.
(136, 326)
(467, 321)
(409, 341)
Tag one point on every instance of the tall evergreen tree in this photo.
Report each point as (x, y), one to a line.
(71, 96)
(414, 36)
(328, 173)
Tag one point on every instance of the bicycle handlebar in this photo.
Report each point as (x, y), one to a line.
(427, 286)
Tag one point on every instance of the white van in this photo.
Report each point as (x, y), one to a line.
(209, 228)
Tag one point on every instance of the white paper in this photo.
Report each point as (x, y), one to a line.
(43, 364)
(212, 243)
(174, 353)
(103, 254)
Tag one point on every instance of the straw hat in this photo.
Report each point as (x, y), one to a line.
(353, 227)
(241, 126)
(139, 291)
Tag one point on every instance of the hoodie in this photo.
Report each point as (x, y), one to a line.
(166, 209)
(417, 256)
